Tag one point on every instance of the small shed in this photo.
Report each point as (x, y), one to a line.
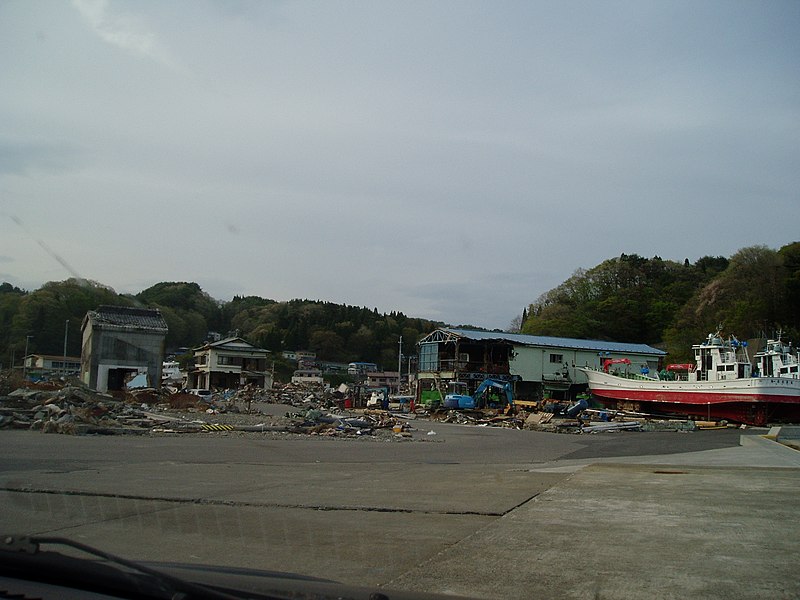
(119, 343)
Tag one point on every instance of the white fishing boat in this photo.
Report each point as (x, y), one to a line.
(171, 374)
(721, 384)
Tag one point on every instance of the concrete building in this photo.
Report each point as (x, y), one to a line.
(536, 365)
(50, 364)
(230, 364)
(120, 342)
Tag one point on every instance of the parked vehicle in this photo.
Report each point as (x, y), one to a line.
(204, 394)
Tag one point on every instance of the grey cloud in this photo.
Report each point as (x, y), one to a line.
(23, 157)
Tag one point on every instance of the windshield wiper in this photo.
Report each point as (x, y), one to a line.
(23, 557)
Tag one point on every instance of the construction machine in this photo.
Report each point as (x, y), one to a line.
(482, 396)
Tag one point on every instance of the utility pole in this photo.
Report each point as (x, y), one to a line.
(25, 358)
(408, 373)
(64, 363)
(400, 366)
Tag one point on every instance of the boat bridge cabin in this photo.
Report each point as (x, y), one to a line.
(720, 359)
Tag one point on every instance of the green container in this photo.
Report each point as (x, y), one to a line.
(430, 398)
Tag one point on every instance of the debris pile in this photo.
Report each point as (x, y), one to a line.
(484, 418)
(574, 418)
(291, 409)
(299, 394)
(70, 409)
(73, 409)
(317, 422)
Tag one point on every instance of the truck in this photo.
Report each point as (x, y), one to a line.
(482, 396)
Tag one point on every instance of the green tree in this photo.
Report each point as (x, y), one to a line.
(189, 311)
(55, 308)
(746, 300)
(789, 314)
(328, 345)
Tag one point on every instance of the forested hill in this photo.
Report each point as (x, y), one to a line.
(660, 302)
(336, 332)
(626, 299)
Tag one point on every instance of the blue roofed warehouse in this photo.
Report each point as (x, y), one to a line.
(536, 365)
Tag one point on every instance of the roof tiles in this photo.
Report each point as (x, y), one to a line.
(126, 316)
(557, 342)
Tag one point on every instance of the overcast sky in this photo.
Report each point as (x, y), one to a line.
(450, 160)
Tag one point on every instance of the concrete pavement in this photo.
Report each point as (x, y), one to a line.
(713, 524)
(488, 513)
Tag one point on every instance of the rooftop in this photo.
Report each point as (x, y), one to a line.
(553, 342)
(232, 343)
(127, 316)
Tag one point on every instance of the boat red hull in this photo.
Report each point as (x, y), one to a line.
(740, 408)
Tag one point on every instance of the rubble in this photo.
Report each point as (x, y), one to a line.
(618, 426)
(480, 418)
(290, 409)
(74, 409)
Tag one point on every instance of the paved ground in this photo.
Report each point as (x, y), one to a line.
(657, 527)
(485, 512)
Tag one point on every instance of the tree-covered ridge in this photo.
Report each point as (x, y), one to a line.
(653, 301)
(336, 332)
(48, 316)
(756, 296)
(628, 298)
(625, 299)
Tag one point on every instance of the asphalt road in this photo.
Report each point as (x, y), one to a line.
(361, 511)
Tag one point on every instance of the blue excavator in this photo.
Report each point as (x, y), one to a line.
(482, 398)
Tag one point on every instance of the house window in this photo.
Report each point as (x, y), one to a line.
(557, 358)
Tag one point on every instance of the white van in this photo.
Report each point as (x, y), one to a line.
(204, 394)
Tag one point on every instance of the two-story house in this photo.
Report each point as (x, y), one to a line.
(229, 364)
(384, 379)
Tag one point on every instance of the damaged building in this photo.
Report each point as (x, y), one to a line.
(48, 365)
(537, 366)
(119, 343)
(229, 364)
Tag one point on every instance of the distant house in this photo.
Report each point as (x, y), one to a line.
(299, 355)
(384, 379)
(332, 367)
(50, 364)
(308, 376)
(119, 343)
(361, 368)
(230, 363)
